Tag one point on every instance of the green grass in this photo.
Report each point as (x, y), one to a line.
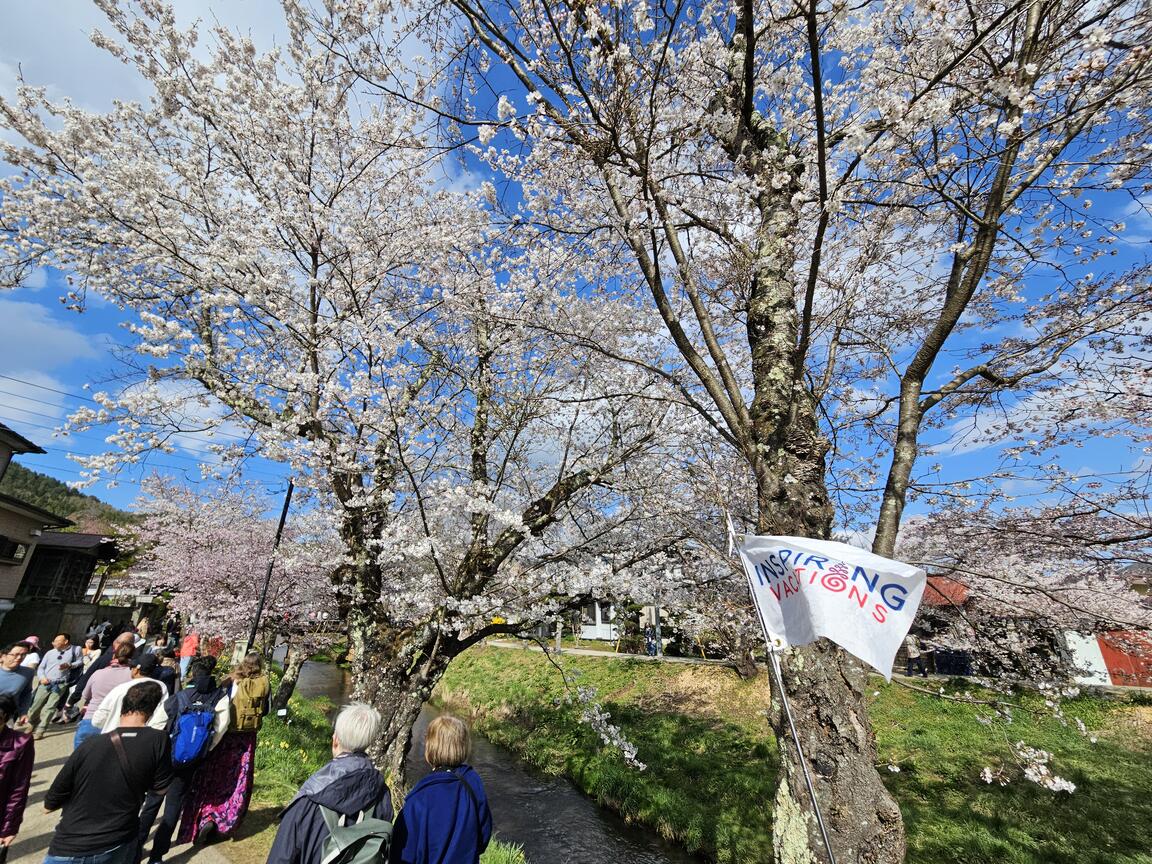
(704, 737)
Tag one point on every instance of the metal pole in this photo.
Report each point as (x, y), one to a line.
(774, 663)
(659, 639)
(268, 574)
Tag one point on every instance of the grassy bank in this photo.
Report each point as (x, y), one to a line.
(711, 761)
(287, 753)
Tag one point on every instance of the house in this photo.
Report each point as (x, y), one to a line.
(21, 524)
(1010, 642)
(52, 597)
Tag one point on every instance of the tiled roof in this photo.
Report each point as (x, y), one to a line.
(944, 591)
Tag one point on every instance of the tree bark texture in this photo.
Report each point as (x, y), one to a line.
(293, 661)
(396, 675)
(826, 691)
(824, 684)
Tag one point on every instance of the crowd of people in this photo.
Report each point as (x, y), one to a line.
(165, 749)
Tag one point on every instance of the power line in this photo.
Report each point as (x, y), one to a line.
(90, 399)
(121, 479)
(146, 462)
(46, 387)
(93, 437)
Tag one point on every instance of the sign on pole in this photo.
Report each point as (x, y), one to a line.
(805, 589)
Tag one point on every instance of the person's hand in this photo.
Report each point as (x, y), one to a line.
(22, 720)
(7, 841)
(44, 681)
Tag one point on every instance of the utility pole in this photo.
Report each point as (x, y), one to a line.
(268, 574)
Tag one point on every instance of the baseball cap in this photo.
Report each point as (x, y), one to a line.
(146, 664)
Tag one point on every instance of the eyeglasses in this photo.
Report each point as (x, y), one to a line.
(19, 654)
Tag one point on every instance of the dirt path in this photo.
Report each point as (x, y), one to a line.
(31, 843)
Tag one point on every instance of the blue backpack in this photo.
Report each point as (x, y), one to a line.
(191, 724)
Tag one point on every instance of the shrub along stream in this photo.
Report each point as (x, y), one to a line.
(711, 760)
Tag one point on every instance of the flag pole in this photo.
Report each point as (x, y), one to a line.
(774, 665)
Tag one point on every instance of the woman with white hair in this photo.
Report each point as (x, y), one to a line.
(348, 786)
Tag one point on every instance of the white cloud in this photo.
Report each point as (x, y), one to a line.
(32, 340)
(49, 43)
(36, 280)
(32, 343)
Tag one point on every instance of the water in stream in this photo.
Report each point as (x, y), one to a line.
(548, 816)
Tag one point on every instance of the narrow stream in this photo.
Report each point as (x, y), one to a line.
(548, 816)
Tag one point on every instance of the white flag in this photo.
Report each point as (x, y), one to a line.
(805, 589)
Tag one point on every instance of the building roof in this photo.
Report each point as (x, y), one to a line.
(944, 591)
(49, 520)
(18, 442)
(97, 544)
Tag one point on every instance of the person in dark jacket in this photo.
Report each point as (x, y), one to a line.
(348, 785)
(445, 818)
(17, 753)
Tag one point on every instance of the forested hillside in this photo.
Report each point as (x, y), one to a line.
(88, 512)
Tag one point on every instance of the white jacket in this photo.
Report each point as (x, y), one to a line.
(159, 718)
(107, 716)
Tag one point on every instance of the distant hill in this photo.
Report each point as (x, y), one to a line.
(88, 512)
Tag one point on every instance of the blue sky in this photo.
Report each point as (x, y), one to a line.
(52, 358)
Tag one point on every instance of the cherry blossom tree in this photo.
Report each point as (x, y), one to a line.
(305, 282)
(822, 203)
(207, 549)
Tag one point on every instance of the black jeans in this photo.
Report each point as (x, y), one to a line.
(173, 801)
(918, 662)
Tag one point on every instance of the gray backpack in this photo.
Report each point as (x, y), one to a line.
(364, 841)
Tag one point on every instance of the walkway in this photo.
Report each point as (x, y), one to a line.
(31, 843)
(525, 645)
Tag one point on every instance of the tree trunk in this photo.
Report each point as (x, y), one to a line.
(396, 675)
(826, 690)
(824, 684)
(293, 661)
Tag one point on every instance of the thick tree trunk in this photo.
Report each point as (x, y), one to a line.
(396, 674)
(293, 662)
(824, 684)
(826, 690)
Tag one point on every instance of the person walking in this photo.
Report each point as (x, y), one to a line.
(58, 669)
(144, 669)
(169, 672)
(103, 661)
(99, 686)
(445, 818)
(33, 658)
(16, 679)
(196, 719)
(189, 649)
(103, 783)
(915, 659)
(17, 754)
(347, 786)
(221, 788)
(90, 652)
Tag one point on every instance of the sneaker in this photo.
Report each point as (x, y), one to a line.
(39, 735)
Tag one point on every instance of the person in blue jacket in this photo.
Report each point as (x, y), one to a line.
(349, 785)
(445, 818)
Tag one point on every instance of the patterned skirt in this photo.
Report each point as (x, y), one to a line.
(221, 788)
